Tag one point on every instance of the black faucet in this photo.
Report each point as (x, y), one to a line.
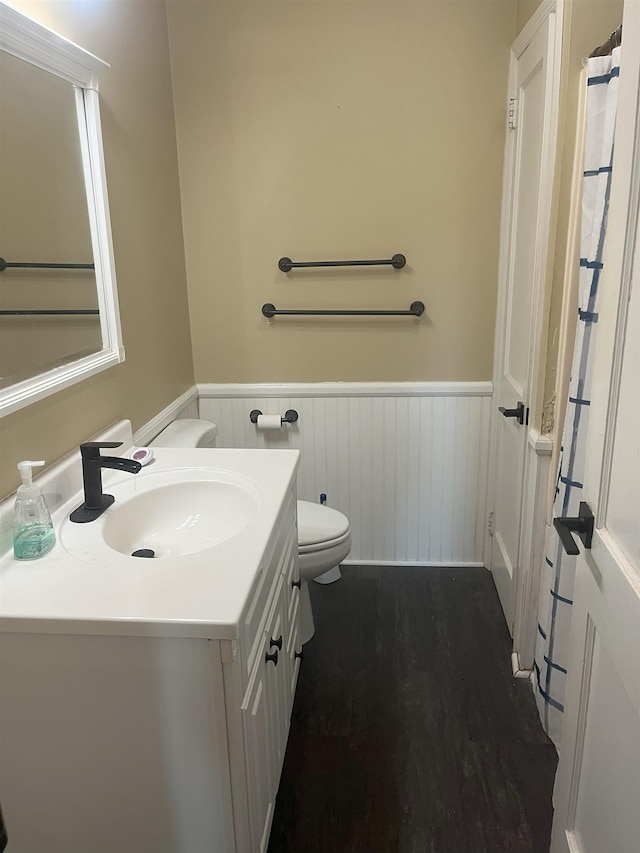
(95, 502)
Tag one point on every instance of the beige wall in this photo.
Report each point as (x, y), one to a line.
(140, 152)
(525, 10)
(341, 130)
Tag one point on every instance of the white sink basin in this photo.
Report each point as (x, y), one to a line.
(170, 513)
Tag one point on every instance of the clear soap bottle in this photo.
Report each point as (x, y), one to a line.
(33, 533)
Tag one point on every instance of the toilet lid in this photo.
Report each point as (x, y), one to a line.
(318, 523)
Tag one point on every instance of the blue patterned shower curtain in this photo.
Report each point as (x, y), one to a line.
(556, 591)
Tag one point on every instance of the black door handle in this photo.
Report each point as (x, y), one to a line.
(519, 413)
(582, 524)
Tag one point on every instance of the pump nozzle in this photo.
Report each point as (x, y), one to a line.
(26, 471)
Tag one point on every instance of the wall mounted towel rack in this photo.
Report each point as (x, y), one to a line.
(397, 262)
(20, 312)
(416, 309)
(4, 265)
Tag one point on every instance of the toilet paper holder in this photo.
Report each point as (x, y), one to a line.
(289, 417)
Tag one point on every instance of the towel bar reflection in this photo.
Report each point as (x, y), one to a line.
(19, 312)
(5, 265)
(397, 262)
(416, 309)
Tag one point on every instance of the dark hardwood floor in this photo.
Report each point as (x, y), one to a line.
(409, 733)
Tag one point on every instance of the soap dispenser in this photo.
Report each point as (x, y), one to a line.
(33, 533)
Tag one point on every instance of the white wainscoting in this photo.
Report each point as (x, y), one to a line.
(406, 462)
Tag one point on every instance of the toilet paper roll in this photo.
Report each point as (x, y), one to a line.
(269, 422)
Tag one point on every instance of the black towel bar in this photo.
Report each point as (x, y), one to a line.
(416, 309)
(286, 264)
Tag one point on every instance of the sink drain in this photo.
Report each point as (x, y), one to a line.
(143, 552)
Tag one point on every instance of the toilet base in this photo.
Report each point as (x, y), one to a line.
(331, 576)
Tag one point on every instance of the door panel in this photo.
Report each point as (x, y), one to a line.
(531, 102)
(597, 793)
(624, 500)
(524, 241)
(600, 809)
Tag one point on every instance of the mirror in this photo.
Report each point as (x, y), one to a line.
(59, 320)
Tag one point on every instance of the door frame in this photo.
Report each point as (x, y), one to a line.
(538, 447)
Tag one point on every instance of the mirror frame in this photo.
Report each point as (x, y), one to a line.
(32, 42)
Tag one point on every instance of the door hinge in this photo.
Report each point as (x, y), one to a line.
(490, 523)
(512, 114)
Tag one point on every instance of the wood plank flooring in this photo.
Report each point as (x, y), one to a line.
(409, 733)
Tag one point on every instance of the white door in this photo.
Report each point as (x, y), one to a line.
(524, 239)
(597, 794)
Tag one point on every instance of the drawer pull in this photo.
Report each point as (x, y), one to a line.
(277, 643)
(296, 583)
(299, 654)
(273, 658)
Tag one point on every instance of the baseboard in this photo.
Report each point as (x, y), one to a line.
(419, 564)
(174, 410)
(515, 668)
(542, 444)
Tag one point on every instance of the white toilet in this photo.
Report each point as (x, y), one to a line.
(324, 534)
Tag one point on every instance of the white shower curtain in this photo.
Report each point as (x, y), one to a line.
(556, 592)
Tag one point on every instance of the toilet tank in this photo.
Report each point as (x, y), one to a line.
(189, 432)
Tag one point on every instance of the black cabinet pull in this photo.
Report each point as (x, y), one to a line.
(582, 524)
(277, 643)
(299, 654)
(518, 413)
(296, 583)
(273, 658)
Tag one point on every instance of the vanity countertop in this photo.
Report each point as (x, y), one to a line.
(104, 592)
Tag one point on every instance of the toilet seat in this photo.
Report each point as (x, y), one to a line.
(326, 544)
(311, 564)
(320, 527)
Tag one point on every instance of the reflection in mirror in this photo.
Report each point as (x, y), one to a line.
(59, 318)
(43, 220)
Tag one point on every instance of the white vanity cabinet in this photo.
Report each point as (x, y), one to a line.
(143, 739)
(265, 681)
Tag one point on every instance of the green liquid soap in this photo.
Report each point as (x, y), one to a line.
(33, 541)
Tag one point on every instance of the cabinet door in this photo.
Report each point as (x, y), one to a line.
(266, 710)
(278, 678)
(294, 649)
(256, 725)
(292, 631)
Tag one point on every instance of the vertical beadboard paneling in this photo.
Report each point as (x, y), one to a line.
(409, 471)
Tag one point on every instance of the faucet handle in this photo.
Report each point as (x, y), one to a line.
(101, 444)
(91, 449)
